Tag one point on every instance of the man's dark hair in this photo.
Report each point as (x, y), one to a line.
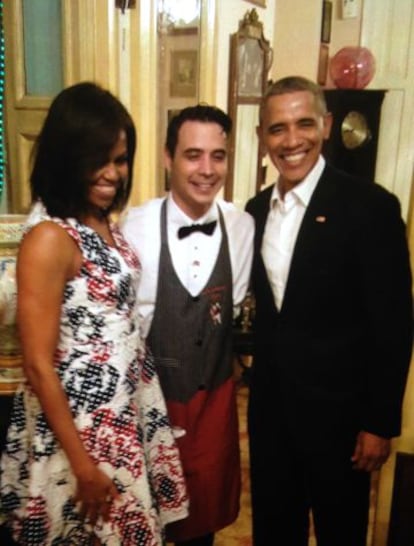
(80, 130)
(291, 84)
(199, 112)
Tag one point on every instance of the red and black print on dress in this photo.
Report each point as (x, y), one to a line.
(118, 409)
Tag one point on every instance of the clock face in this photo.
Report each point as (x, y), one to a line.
(354, 130)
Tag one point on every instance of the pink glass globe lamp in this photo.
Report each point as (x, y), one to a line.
(352, 67)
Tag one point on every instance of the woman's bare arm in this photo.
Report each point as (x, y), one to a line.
(47, 259)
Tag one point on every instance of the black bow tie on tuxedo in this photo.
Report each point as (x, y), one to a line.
(208, 229)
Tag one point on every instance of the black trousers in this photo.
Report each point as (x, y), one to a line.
(286, 484)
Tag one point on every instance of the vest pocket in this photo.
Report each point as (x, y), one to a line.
(175, 383)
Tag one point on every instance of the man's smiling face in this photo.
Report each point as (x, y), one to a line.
(199, 166)
(292, 131)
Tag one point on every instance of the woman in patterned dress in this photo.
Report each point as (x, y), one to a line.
(90, 457)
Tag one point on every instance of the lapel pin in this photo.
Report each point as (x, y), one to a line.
(321, 219)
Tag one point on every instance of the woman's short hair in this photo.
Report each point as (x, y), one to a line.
(81, 128)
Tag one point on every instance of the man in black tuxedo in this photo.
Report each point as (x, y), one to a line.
(333, 331)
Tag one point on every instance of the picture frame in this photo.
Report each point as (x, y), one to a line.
(326, 21)
(323, 64)
(183, 73)
(261, 3)
(251, 66)
(183, 31)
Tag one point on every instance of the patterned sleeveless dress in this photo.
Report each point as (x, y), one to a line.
(118, 409)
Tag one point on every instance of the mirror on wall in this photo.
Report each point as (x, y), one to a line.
(178, 65)
(250, 61)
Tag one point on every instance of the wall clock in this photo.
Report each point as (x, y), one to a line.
(353, 142)
(355, 130)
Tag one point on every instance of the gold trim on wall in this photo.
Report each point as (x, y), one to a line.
(323, 64)
(326, 22)
(208, 50)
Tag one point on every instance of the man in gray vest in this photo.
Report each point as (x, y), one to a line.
(196, 253)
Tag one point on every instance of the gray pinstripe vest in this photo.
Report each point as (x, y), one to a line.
(190, 337)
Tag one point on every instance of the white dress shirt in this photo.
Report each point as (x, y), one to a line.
(194, 256)
(282, 227)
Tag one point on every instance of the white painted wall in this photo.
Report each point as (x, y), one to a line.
(297, 36)
(388, 31)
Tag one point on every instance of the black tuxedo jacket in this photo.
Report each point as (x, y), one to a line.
(334, 359)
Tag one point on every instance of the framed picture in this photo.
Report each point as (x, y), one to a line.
(184, 70)
(323, 64)
(261, 3)
(326, 21)
(250, 59)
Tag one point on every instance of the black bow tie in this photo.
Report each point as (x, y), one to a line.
(208, 229)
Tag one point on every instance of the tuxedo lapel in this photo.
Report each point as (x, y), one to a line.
(259, 208)
(315, 221)
(261, 216)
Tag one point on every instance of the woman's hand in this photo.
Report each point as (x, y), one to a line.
(95, 494)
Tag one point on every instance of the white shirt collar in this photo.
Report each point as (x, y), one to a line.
(179, 218)
(304, 190)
